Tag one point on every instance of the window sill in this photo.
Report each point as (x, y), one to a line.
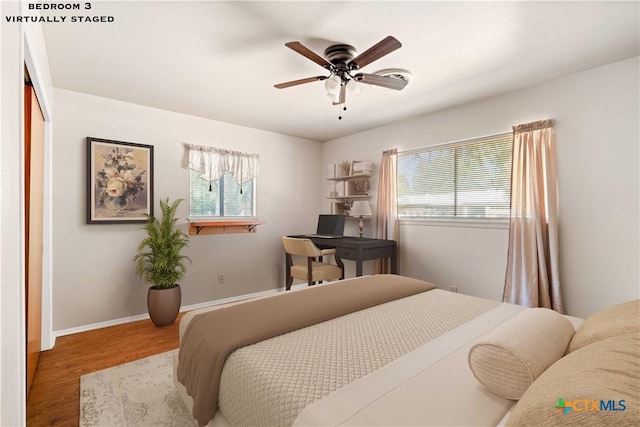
(223, 226)
(460, 223)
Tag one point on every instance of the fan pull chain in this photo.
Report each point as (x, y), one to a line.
(344, 108)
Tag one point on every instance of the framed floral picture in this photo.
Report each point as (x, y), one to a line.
(119, 181)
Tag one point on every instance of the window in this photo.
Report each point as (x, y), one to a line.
(464, 180)
(221, 198)
(222, 183)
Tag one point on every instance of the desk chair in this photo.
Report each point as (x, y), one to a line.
(312, 271)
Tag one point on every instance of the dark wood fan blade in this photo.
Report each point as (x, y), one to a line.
(384, 81)
(306, 52)
(375, 52)
(343, 95)
(299, 82)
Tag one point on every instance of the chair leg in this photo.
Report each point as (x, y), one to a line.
(310, 271)
(287, 264)
(341, 265)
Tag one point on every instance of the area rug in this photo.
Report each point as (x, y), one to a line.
(139, 393)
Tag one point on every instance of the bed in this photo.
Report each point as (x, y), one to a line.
(414, 355)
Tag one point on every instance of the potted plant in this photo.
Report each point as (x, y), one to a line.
(160, 262)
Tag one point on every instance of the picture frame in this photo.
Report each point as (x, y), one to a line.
(119, 181)
(351, 164)
(360, 167)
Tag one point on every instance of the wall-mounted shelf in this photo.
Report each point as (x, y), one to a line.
(350, 177)
(223, 227)
(349, 185)
(356, 196)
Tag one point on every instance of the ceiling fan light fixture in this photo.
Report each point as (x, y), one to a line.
(332, 85)
(353, 87)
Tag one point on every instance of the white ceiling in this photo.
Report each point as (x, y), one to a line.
(220, 60)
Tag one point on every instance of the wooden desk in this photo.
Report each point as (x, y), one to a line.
(360, 249)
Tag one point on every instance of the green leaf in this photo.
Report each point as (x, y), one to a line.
(158, 258)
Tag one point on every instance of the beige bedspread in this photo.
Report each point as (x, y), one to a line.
(212, 336)
(429, 386)
(270, 383)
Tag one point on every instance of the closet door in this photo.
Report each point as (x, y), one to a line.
(34, 195)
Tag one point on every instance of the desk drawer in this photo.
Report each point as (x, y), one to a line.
(346, 253)
(365, 254)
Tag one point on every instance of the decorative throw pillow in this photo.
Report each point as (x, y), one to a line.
(618, 320)
(597, 385)
(508, 359)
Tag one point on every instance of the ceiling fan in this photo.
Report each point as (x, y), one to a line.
(343, 67)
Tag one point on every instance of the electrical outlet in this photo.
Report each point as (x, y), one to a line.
(220, 278)
(453, 289)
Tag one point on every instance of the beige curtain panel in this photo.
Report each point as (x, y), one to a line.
(532, 276)
(387, 211)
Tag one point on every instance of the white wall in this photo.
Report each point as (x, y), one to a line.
(20, 44)
(94, 278)
(470, 258)
(11, 335)
(597, 134)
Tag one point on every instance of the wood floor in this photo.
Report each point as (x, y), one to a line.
(54, 398)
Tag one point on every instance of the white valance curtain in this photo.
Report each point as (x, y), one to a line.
(533, 277)
(211, 163)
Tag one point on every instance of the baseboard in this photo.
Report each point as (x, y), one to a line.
(99, 325)
(136, 318)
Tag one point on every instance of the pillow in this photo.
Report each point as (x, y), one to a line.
(618, 320)
(596, 385)
(509, 358)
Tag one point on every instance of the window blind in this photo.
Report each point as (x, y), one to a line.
(467, 180)
(221, 197)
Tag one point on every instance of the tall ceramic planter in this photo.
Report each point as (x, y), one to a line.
(163, 304)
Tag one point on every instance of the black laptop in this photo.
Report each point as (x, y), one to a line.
(329, 226)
